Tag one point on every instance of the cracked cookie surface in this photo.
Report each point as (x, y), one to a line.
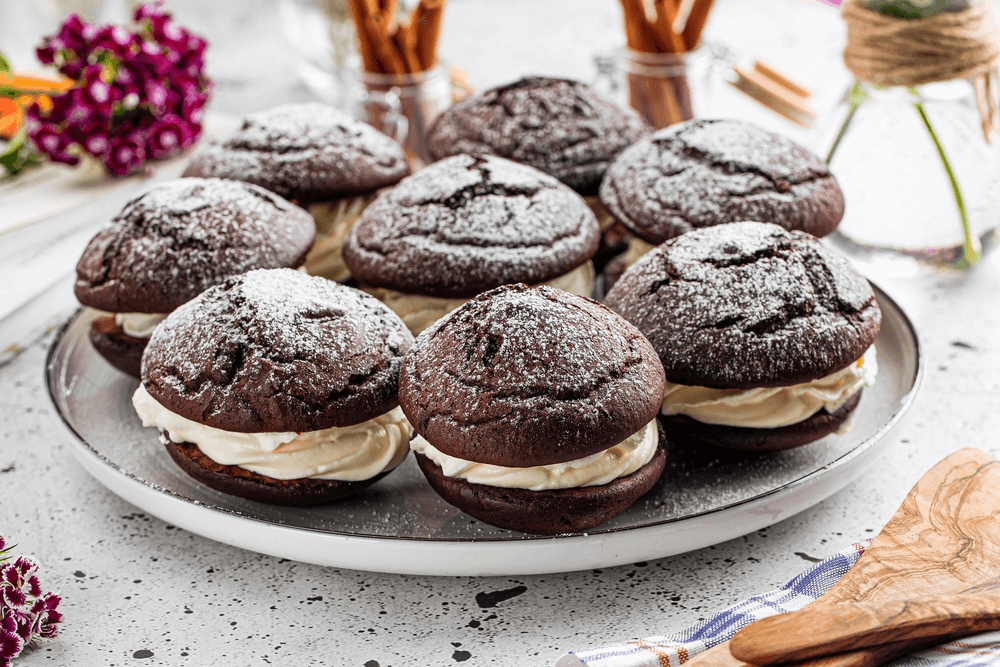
(306, 152)
(467, 224)
(180, 238)
(277, 351)
(710, 172)
(524, 376)
(558, 126)
(748, 305)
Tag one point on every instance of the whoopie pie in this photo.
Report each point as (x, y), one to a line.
(702, 173)
(173, 242)
(465, 225)
(559, 126)
(535, 410)
(278, 387)
(766, 336)
(316, 156)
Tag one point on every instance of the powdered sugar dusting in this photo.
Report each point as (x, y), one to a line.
(747, 305)
(307, 152)
(709, 172)
(535, 369)
(470, 223)
(183, 236)
(277, 350)
(559, 126)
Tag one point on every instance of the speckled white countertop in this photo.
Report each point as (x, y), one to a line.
(138, 591)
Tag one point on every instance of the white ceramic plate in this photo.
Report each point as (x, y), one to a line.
(400, 525)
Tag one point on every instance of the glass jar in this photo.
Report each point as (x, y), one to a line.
(321, 35)
(666, 88)
(404, 105)
(909, 162)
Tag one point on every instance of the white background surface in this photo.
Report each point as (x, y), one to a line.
(135, 586)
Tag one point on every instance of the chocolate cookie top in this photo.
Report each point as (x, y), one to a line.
(709, 172)
(274, 351)
(467, 224)
(170, 244)
(523, 376)
(305, 152)
(748, 305)
(558, 126)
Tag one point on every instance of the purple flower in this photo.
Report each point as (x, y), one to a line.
(140, 94)
(168, 135)
(72, 34)
(127, 153)
(51, 141)
(96, 91)
(47, 619)
(11, 646)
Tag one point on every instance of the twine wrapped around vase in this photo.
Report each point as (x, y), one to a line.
(888, 51)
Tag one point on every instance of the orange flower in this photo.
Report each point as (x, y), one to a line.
(30, 89)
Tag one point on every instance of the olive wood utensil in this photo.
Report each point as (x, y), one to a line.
(822, 631)
(944, 538)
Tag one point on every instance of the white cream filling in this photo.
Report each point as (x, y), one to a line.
(636, 249)
(348, 453)
(604, 217)
(601, 468)
(419, 312)
(771, 407)
(334, 222)
(139, 325)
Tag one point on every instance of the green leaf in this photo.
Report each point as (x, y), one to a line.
(4, 63)
(16, 158)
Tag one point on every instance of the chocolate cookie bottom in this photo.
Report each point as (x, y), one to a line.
(546, 512)
(119, 349)
(682, 429)
(247, 484)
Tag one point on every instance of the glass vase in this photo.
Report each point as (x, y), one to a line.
(918, 176)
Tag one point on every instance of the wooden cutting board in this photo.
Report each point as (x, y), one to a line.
(944, 538)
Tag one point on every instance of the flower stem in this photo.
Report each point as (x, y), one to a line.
(855, 97)
(971, 246)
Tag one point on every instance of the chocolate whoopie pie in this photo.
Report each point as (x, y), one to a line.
(558, 126)
(766, 336)
(316, 156)
(702, 173)
(465, 225)
(278, 387)
(535, 410)
(170, 244)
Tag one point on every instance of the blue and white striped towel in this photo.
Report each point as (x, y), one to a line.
(676, 649)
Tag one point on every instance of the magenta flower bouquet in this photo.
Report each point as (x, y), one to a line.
(27, 614)
(139, 93)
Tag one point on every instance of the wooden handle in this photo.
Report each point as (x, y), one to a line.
(873, 656)
(821, 631)
(944, 537)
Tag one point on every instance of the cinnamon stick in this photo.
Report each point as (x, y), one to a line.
(637, 31)
(368, 59)
(427, 18)
(406, 41)
(385, 50)
(663, 28)
(696, 22)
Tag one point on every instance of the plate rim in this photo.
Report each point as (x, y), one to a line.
(87, 455)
